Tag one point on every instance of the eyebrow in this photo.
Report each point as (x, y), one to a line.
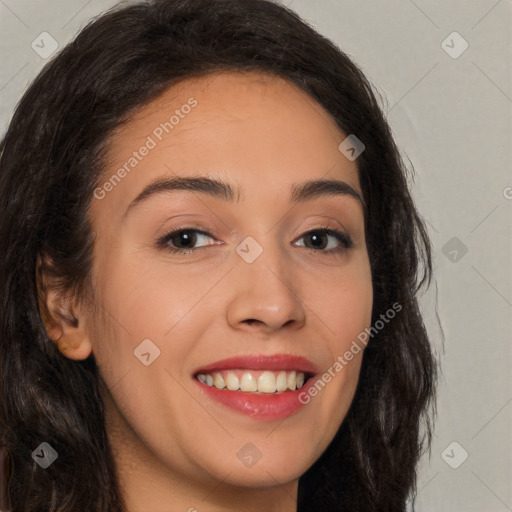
(220, 189)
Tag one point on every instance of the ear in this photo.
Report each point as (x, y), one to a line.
(64, 321)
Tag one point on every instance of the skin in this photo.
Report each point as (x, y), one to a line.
(175, 450)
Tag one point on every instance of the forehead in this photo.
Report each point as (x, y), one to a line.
(255, 130)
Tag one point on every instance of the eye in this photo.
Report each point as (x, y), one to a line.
(319, 240)
(183, 240)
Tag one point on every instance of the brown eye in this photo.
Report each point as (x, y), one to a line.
(183, 240)
(319, 240)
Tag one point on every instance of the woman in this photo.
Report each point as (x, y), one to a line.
(174, 336)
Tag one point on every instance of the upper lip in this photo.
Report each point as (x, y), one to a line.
(262, 362)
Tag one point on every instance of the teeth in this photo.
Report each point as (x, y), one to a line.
(254, 381)
(218, 381)
(267, 382)
(232, 382)
(248, 383)
(292, 381)
(281, 382)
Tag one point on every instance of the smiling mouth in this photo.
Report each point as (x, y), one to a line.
(263, 387)
(252, 381)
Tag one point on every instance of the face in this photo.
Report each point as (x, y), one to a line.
(251, 279)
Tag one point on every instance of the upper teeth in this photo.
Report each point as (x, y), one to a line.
(253, 381)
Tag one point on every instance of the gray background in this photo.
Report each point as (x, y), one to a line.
(452, 119)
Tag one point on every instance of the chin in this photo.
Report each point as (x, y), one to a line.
(266, 461)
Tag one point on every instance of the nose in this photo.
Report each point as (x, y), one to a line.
(266, 296)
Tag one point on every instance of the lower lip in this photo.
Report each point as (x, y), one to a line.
(268, 407)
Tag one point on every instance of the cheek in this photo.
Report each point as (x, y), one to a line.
(145, 299)
(343, 301)
(345, 308)
(144, 295)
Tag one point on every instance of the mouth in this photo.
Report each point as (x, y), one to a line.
(263, 387)
(253, 381)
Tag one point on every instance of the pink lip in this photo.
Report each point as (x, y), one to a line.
(270, 407)
(260, 362)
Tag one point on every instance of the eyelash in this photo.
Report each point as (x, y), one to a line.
(344, 239)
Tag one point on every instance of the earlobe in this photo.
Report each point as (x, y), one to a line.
(63, 321)
(74, 345)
